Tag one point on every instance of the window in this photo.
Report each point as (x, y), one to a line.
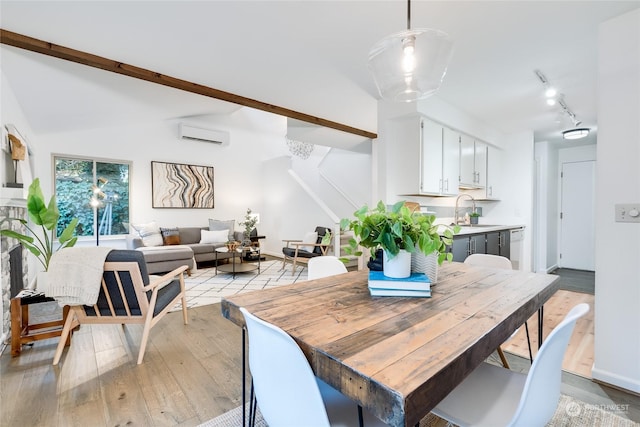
(94, 191)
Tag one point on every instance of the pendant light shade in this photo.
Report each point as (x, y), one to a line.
(411, 64)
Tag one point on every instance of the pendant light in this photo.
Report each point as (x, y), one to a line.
(411, 64)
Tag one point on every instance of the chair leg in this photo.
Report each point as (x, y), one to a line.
(503, 357)
(184, 310)
(145, 336)
(69, 324)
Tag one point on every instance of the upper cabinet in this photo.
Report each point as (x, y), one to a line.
(473, 163)
(429, 162)
(494, 167)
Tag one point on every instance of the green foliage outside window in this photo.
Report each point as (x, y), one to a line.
(75, 182)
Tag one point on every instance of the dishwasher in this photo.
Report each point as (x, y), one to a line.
(517, 236)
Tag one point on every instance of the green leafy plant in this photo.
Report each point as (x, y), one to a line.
(398, 228)
(46, 216)
(474, 214)
(249, 223)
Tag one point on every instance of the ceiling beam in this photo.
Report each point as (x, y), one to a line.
(84, 58)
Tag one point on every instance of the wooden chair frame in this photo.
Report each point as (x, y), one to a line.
(78, 314)
(296, 259)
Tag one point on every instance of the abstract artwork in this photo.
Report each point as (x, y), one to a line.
(175, 185)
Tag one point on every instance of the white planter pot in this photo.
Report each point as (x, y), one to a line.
(398, 266)
(42, 282)
(427, 264)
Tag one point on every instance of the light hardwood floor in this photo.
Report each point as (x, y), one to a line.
(190, 374)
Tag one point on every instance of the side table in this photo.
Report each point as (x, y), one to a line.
(24, 333)
(237, 265)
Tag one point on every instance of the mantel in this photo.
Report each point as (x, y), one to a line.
(13, 197)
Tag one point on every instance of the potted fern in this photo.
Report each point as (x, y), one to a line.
(43, 244)
(399, 232)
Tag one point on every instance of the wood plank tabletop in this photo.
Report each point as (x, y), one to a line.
(397, 356)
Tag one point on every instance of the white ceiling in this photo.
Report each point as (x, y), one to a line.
(308, 56)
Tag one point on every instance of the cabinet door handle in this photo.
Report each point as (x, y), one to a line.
(500, 240)
(469, 247)
(440, 187)
(446, 184)
(491, 190)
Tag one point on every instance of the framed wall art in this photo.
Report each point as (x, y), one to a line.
(175, 185)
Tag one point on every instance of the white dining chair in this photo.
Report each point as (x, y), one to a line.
(493, 396)
(496, 261)
(324, 266)
(286, 388)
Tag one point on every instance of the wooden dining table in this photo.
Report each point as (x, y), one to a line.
(399, 356)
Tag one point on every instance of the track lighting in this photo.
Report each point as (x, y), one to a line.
(554, 98)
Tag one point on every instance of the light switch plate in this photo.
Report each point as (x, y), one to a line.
(628, 212)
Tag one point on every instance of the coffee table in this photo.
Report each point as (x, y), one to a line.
(237, 265)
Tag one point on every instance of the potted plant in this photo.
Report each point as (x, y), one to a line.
(473, 217)
(249, 224)
(42, 244)
(399, 232)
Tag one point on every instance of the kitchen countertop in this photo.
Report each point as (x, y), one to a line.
(482, 228)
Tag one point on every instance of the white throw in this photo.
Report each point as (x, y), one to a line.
(75, 275)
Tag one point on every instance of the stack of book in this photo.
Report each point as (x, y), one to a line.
(416, 285)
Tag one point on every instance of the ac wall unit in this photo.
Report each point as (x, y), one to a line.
(195, 133)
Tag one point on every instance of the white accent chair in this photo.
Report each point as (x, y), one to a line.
(324, 266)
(488, 260)
(496, 261)
(287, 390)
(493, 396)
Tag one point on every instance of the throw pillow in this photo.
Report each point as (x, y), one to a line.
(214, 236)
(310, 237)
(170, 236)
(149, 233)
(228, 225)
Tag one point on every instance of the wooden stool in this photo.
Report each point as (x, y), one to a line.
(23, 333)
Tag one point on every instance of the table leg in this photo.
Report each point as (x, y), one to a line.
(540, 319)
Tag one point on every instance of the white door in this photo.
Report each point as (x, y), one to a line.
(577, 234)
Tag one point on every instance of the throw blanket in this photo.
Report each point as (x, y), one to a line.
(75, 275)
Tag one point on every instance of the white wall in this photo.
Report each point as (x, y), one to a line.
(546, 210)
(617, 313)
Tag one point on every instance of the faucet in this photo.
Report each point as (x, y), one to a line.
(456, 219)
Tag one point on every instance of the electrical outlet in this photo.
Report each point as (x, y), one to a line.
(628, 212)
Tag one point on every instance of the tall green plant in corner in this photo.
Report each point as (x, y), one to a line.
(46, 216)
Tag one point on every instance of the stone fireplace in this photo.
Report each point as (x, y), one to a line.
(11, 248)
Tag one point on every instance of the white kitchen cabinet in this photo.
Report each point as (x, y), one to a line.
(494, 171)
(473, 163)
(428, 161)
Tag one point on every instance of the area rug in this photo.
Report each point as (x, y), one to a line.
(570, 413)
(205, 287)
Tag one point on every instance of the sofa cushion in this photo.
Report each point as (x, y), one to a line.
(170, 236)
(228, 225)
(214, 236)
(149, 233)
(167, 253)
(205, 248)
(190, 235)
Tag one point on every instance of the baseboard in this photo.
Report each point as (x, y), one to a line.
(615, 380)
(552, 268)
